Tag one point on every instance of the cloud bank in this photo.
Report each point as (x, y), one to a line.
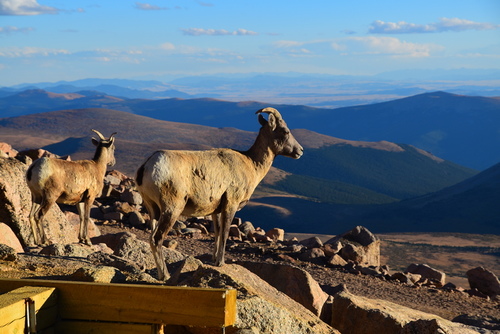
(25, 7)
(444, 24)
(368, 45)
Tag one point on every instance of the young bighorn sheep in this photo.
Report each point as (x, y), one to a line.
(68, 182)
(215, 182)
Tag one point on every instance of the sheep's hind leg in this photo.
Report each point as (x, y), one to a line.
(35, 206)
(154, 212)
(40, 214)
(165, 224)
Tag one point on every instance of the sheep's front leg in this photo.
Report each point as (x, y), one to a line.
(225, 220)
(84, 213)
(216, 221)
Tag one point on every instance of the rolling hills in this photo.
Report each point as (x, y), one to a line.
(462, 129)
(334, 181)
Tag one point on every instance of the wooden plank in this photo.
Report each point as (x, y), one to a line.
(13, 308)
(146, 304)
(88, 327)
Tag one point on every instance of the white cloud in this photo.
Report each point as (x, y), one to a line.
(11, 29)
(25, 7)
(384, 46)
(217, 32)
(287, 44)
(16, 52)
(147, 6)
(358, 46)
(106, 55)
(444, 24)
(167, 46)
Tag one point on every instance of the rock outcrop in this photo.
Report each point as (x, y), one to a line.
(358, 245)
(259, 304)
(293, 281)
(428, 272)
(484, 281)
(9, 238)
(359, 315)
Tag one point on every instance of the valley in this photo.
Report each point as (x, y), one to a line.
(388, 186)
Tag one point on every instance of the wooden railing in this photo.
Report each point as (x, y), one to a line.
(44, 306)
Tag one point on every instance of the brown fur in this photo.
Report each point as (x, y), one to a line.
(216, 182)
(67, 182)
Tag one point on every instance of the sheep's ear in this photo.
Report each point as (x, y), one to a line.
(95, 141)
(272, 122)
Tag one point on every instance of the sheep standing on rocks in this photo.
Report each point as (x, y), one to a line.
(215, 182)
(68, 182)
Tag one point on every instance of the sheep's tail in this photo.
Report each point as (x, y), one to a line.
(140, 175)
(140, 172)
(29, 172)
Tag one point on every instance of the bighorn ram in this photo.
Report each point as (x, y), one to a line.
(68, 182)
(215, 182)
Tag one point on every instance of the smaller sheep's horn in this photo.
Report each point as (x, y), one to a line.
(270, 110)
(114, 133)
(99, 134)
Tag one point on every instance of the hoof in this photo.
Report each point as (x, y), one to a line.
(86, 242)
(219, 263)
(44, 243)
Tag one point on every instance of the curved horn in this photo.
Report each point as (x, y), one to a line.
(270, 110)
(99, 134)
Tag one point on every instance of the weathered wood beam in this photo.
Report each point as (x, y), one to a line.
(142, 304)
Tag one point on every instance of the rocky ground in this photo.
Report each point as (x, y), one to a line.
(122, 252)
(445, 303)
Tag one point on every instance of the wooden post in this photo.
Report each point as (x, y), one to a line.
(13, 310)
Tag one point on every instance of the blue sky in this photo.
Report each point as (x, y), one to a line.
(56, 40)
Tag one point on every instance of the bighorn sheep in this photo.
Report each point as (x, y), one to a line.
(215, 182)
(68, 182)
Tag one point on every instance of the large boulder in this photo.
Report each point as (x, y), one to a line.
(359, 315)
(484, 281)
(99, 274)
(6, 151)
(358, 245)
(427, 272)
(126, 245)
(297, 283)
(259, 304)
(9, 238)
(15, 205)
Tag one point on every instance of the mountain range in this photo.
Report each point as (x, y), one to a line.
(462, 129)
(470, 206)
(336, 184)
(399, 167)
